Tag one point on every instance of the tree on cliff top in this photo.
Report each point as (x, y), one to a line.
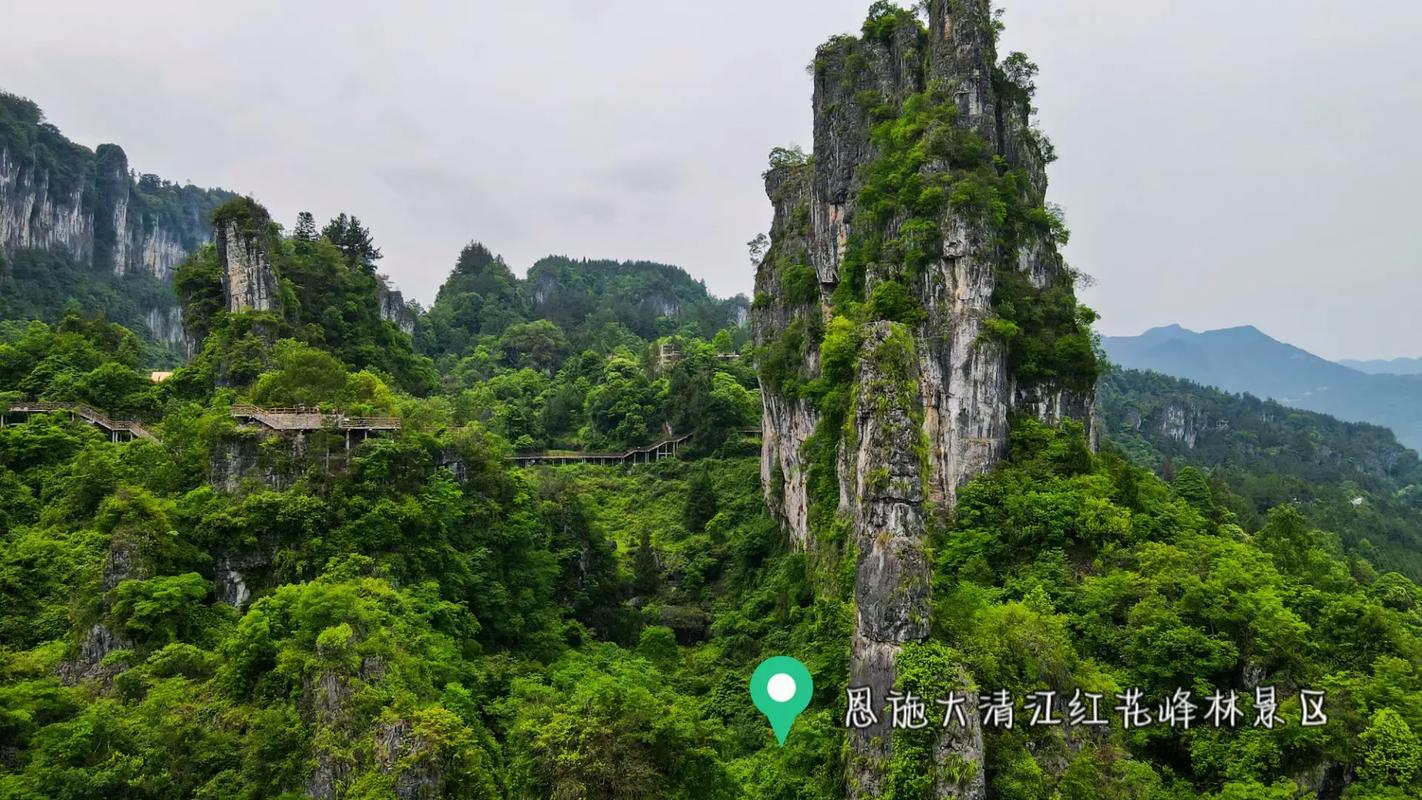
(354, 241)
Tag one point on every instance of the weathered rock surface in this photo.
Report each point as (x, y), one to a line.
(787, 426)
(106, 216)
(35, 213)
(415, 762)
(244, 250)
(235, 460)
(233, 575)
(124, 562)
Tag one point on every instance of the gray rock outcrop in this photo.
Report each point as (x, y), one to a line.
(244, 242)
(105, 216)
(394, 309)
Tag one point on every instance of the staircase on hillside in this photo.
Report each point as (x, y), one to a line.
(118, 429)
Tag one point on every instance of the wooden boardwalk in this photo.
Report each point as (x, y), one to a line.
(118, 429)
(666, 448)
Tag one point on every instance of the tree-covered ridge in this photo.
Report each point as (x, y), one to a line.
(326, 302)
(596, 303)
(33, 142)
(36, 146)
(1245, 359)
(1348, 477)
(649, 299)
(402, 606)
(589, 355)
(326, 343)
(1065, 571)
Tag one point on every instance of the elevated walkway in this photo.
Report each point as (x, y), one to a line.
(118, 429)
(666, 448)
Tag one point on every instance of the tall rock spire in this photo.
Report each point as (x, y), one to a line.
(244, 235)
(911, 303)
(962, 57)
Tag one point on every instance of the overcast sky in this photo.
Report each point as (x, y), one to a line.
(1223, 162)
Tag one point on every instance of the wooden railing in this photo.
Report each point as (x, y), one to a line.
(371, 423)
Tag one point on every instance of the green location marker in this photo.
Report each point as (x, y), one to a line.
(781, 688)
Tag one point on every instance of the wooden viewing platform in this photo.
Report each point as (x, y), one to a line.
(301, 421)
(311, 419)
(117, 429)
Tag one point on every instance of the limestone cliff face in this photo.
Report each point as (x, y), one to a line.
(56, 195)
(166, 325)
(35, 212)
(104, 217)
(239, 458)
(789, 421)
(244, 246)
(912, 240)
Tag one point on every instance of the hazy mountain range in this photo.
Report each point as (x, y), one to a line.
(1247, 360)
(1391, 366)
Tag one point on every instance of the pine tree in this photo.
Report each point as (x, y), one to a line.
(305, 227)
(701, 501)
(646, 575)
(354, 240)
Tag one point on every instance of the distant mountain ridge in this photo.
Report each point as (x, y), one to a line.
(1389, 366)
(1245, 359)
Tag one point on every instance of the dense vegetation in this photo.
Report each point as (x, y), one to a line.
(46, 284)
(591, 355)
(1064, 570)
(326, 300)
(414, 621)
(586, 632)
(598, 305)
